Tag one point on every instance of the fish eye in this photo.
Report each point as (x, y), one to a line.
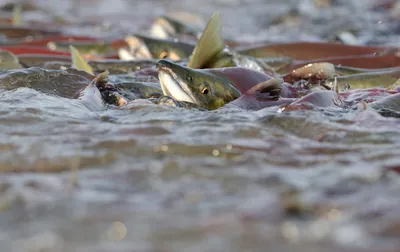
(204, 90)
(189, 78)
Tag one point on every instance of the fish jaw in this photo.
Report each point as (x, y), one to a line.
(172, 85)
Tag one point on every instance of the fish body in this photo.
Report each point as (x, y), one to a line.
(144, 47)
(85, 47)
(311, 50)
(233, 86)
(383, 78)
(121, 67)
(170, 27)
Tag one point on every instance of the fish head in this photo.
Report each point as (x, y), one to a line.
(195, 85)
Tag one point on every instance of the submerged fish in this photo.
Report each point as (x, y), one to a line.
(131, 91)
(369, 61)
(29, 60)
(320, 99)
(264, 94)
(170, 27)
(371, 79)
(85, 47)
(234, 86)
(20, 32)
(345, 70)
(144, 47)
(312, 50)
(64, 83)
(121, 66)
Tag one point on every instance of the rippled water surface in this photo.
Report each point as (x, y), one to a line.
(150, 177)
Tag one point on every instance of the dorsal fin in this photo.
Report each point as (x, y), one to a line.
(209, 45)
(78, 61)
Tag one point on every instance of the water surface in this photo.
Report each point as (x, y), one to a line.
(156, 178)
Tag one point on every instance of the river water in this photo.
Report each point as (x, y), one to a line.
(157, 178)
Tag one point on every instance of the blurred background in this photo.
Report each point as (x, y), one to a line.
(370, 21)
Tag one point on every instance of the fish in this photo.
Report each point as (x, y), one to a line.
(369, 61)
(345, 70)
(64, 83)
(325, 74)
(314, 71)
(371, 79)
(190, 85)
(78, 61)
(219, 88)
(17, 50)
(57, 38)
(121, 66)
(209, 88)
(29, 60)
(23, 31)
(320, 99)
(138, 90)
(264, 94)
(312, 50)
(145, 47)
(170, 27)
(86, 47)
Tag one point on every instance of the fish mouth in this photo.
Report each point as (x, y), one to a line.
(172, 86)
